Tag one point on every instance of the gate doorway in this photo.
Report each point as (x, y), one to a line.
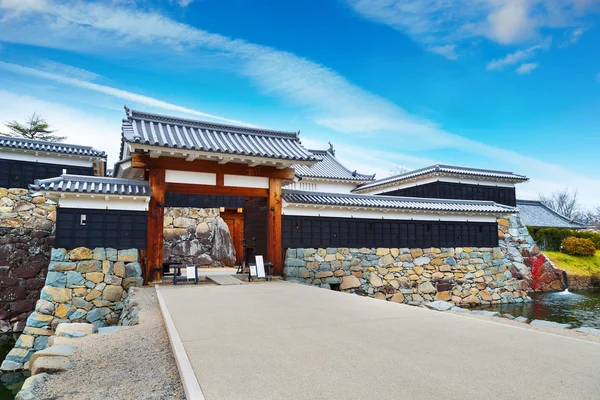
(235, 223)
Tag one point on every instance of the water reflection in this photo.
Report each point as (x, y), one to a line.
(10, 382)
(580, 308)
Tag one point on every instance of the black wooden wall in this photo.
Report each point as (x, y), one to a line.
(255, 228)
(450, 190)
(318, 232)
(20, 174)
(203, 201)
(102, 228)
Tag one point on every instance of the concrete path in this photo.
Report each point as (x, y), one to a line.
(283, 340)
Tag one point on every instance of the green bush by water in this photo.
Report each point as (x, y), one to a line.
(551, 238)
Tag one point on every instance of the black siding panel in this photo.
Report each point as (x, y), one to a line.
(104, 228)
(20, 174)
(459, 191)
(346, 232)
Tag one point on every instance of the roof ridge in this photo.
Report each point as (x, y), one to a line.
(328, 153)
(399, 198)
(38, 141)
(133, 114)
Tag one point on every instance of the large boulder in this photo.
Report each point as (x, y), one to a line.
(222, 249)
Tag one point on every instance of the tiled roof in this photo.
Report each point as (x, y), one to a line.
(444, 170)
(534, 213)
(329, 167)
(50, 147)
(395, 202)
(177, 133)
(93, 185)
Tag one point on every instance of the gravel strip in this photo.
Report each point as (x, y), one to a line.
(134, 363)
(561, 332)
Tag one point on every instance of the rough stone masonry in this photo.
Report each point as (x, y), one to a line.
(27, 224)
(464, 276)
(82, 285)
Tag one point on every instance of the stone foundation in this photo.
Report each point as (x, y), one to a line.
(197, 236)
(27, 225)
(82, 285)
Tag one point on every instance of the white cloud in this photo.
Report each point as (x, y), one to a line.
(448, 51)
(518, 56)
(573, 36)
(329, 98)
(527, 68)
(502, 21)
(184, 3)
(118, 93)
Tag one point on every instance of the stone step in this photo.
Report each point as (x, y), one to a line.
(224, 280)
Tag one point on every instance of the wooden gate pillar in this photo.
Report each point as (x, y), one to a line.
(274, 205)
(156, 215)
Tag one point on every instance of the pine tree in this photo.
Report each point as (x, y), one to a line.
(35, 128)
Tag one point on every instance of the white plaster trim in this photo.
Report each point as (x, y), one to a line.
(257, 182)
(370, 213)
(192, 388)
(324, 186)
(103, 202)
(194, 178)
(48, 158)
(220, 157)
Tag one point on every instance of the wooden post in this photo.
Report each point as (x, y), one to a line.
(274, 250)
(156, 215)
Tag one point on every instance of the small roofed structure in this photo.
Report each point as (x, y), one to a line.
(536, 214)
(24, 160)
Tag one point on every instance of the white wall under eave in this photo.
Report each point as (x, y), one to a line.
(310, 185)
(99, 202)
(339, 212)
(194, 178)
(48, 159)
(403, 185)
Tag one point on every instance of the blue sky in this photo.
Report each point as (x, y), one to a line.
(502, 84)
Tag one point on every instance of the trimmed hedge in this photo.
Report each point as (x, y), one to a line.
(551, 238)
(578, 247)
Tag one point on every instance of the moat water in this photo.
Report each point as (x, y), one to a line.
(581, 308)
(10, 382)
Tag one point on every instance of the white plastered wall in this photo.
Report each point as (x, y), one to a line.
(76, 161)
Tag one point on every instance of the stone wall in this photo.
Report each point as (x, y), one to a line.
(197, 236)
(466, 277)
(82, 285)
(27, 225)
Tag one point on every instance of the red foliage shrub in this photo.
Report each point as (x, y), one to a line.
(537, 268)
(578, 247)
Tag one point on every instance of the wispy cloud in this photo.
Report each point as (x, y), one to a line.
(432, 22)
(518, 56)
(118, 93)
(573, 36)
(526, 68)
(448, 51)
(321, 93)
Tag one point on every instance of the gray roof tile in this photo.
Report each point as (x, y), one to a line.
(50, 147)
(447, 170)
(395, 202)
(329, 167)
(534, 213)
(178, 133)
(93, 185)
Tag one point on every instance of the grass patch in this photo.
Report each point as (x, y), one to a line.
(574, 265)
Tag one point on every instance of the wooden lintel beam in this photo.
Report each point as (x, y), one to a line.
(216, 190)
(174, 163)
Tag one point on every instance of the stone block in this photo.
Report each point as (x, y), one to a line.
(11, 366)
(427, 288)
(112, 293)
(44, 307)
(107, 267)
(128, 256)
(80, 253)
(50, 365)
(375, 280)
(137, 281)
(93, 294)
(97, 314)
(133, 269)
(84, 328)
(56, 279)
(111, 254)
(422, 260)
(62, 311)
(349, 282)
(38, 320)
(25, 341)
(99, 254)
(54, 351)
(89, 266)
(95, 277)
(74, 279)
(112, 280)
(30, 330)
(61, 266)
(40, 342)
(19, 355)
(58, 254)
(324, 274)
(397, 298)
(119, 270)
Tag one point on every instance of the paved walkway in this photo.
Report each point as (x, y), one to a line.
(288, 341)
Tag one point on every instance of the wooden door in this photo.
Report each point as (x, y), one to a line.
(235, 223)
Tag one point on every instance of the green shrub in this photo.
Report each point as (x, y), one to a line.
(551, 238)
(578, 247)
